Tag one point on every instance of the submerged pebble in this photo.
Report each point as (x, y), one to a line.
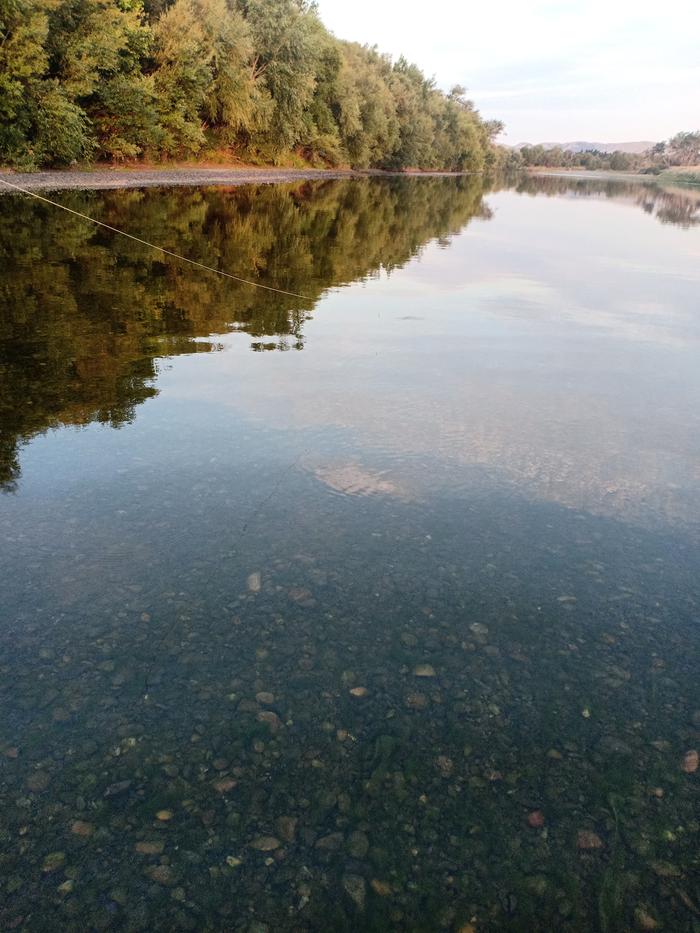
(691, 761)
(53, 861)
(589, 840)
(162, 874)
(535, 819)
(150, 848)
(265, 843)
(359, 692)
(355, 887)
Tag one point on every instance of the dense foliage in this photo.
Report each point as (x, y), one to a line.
(557, 157)
(680, 151)
(258, 79)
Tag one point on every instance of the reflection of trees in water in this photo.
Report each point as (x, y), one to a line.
(85, 314)
(676, 207)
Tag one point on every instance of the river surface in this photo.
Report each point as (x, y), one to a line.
(374, 609)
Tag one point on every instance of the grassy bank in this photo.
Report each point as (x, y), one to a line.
(681, 176)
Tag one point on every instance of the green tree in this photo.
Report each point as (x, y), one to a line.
(287, 39)
(39, 123)
(684, 148)
(261, 78)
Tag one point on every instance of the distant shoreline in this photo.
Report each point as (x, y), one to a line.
(138, 177)
(676, 176)
(602, 174)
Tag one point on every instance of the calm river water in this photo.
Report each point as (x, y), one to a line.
(372, 610)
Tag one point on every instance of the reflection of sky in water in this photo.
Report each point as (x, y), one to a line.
(527, 348)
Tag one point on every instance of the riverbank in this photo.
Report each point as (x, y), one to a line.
(673, 176)
(599, 175)
(681, 176)
(101, 179)
(136, 177)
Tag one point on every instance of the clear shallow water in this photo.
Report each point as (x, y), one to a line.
(350, 618)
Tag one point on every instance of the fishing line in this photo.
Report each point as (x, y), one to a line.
(168, 252)
(280, 291)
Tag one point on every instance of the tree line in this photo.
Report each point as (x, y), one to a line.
(681, 150)
(259, 80)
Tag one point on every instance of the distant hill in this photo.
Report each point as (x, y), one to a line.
(582, 146)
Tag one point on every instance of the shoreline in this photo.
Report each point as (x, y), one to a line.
(664, 179)
(600, 174)
(113, 178)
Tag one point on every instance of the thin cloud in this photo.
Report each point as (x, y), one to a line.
(553, 70)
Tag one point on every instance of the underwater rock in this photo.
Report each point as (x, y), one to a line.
(354, 887)
(121, 787)
(53, 861)
(644, 920)
(225, 785)
(535, 819)
(270, 719)
(330, 842)
(424, 670)
(149, 848)
(666, 870)
(81, 828)
(588, 840)
(38, 781)
(265, 843)
(358, 844)
(380, 887)
(302, 596)
(444, 765)
(162, 874)
(286, 826)
(359, 692)
(690, 762)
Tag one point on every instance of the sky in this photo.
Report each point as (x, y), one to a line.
(595, 70)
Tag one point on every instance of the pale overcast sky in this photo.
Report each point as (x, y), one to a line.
(597, 70)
